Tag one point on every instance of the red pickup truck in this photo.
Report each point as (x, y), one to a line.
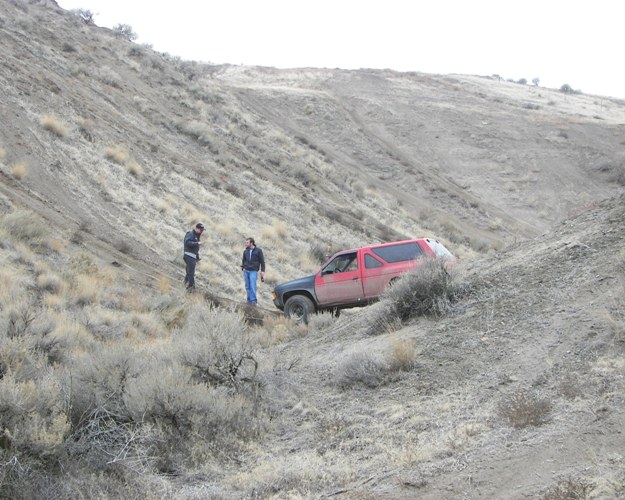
(353, 278)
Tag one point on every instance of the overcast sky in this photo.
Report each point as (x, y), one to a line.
(577, 42)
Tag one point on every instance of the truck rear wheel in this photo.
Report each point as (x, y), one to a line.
(299, 308)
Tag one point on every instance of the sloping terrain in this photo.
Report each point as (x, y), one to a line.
(117, 150)
(121, 140)
(543, 321)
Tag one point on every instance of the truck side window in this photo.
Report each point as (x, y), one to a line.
(353, 265)
(371, 262)
(399, 253)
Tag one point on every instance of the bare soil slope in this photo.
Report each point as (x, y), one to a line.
(517, 392)
(140, 141)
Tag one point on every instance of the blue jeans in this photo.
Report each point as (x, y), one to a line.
(250, 285)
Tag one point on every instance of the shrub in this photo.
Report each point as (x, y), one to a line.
(34, 423)
(107, 75)
(117, 154)
(68, 47)
(19, 170)
(303, 176)
(319, 253)
(214, 344)
(126, 31)
(567, 89)
(568, 489)
(53, 125)
(191, 417)
(50, 282)
(86, 289)
(278, 231)
(360, 368)
(85, 15)
(25, 226)
(403, 353)
(524, 408)
(426, 291)
(85, 126)
(201, 131)
(134, 168)
(103, 429)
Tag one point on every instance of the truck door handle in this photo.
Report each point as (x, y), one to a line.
(354, 279)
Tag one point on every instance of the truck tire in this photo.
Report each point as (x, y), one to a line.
(299, 308)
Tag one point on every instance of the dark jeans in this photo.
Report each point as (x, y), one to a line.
(189, 278)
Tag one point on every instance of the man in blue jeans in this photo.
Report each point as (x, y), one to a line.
(253, 261)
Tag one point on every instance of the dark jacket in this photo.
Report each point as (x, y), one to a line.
(191, 244)
(255, 262)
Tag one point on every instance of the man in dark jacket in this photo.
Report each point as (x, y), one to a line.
(192, 253)
(253, 261)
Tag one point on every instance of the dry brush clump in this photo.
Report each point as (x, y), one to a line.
(54, 125)
(524, 408)
(93, 387)
(373, 368)
(429, 290)
(25, 226)
(360, 368)
(117, 154)
(217, 347)
(573, 488)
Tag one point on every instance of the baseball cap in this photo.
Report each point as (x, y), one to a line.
(199, 225)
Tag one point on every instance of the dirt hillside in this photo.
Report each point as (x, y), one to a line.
(542, 323)
(517, 392)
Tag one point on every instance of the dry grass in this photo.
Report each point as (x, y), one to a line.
(85, 124)
(85, 289)
(134, 168)
(203, 132)
(277, 232)
(524, 408)
(227, 232)
(54, 125)
(124, 390)
(462, 436)
(50, 282)
(109, 76)
(360, 368)
(162, 206)
(164, 284)
(19, 170)
(403, 353)
(25, 226)
(118, 154)
(569, 489)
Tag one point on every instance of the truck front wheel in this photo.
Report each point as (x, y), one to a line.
(299, 308)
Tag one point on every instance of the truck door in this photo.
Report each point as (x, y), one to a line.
(339, 281)
(375, 276)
